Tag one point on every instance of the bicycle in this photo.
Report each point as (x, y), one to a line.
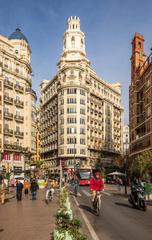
(49, 195)
(97, 202)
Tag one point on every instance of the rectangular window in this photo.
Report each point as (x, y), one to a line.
(71, 120)
(82, 151)
(82, 131)
(61, 151)
(62, 131)
(62, 120)
(71, 100)
(82, 141)
(71, 151)
(71, 91)
(82, 121)
(71, 130)
(82, 101)
(71, 140)
(62, 92)
(82, 111)
(82, 92)
(62, 101)
(61, 111)
(71, 110)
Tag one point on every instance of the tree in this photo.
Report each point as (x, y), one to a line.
(142, 165)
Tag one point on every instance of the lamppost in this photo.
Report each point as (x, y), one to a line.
(125, 163)
(74, 156)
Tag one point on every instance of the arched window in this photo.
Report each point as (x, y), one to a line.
(73, 41)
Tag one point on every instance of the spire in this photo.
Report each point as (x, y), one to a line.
(74, 23)
(73, 40)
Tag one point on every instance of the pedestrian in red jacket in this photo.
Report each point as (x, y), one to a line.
(96, 184)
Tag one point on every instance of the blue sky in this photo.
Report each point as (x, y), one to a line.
(109, 26)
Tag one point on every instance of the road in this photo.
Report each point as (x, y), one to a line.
(118, 220)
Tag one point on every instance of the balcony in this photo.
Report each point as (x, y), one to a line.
(19, 103)
(8, 132)
(8, 115)
(8, 84)
(8, 99)
(15, 147)
(19, 134)
(18, 88)
(19, 118)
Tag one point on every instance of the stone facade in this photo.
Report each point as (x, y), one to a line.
(17, 103)
(81, 114)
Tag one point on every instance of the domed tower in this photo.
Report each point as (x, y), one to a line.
(73, 42)
(21, 44)
(18, 100)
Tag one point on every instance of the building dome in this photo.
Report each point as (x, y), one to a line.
(18, 35)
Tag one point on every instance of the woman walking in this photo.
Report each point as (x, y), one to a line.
(26, 186)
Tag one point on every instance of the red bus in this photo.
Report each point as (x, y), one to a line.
(84, 176)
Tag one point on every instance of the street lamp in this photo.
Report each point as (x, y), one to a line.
(125, 163)
(74, 156)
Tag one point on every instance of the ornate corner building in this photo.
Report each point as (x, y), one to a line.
(17, 102)
(81, 114)
(140, 98)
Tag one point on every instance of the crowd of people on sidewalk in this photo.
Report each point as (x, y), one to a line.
(28, 186)
(31, 186)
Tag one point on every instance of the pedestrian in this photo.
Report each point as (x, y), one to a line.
(75, 183)
(19, 188)
(34, 187)
(2, 190)
(12, 182)
(26, 186)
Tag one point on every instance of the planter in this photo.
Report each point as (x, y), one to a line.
(62, 235)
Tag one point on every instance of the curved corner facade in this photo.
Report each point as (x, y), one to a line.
(81, 114)
(17, 100)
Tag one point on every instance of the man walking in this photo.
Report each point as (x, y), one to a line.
(34, 187)
(19, 188)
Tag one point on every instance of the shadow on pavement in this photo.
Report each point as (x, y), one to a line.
(123, 204)
(120, 195)
(149, 203)
(87, 208)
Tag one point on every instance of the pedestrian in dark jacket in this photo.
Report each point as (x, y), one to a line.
(34, 187)
(19, 188)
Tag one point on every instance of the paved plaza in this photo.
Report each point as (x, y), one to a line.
(28, 219)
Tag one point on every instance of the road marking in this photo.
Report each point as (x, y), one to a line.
(106, 193)
(90, 228)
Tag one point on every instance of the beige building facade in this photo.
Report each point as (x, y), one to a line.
(81, 114)
(17, 103)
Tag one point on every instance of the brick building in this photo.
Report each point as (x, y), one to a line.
(140, 98)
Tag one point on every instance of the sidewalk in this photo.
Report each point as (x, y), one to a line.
(28, 219)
